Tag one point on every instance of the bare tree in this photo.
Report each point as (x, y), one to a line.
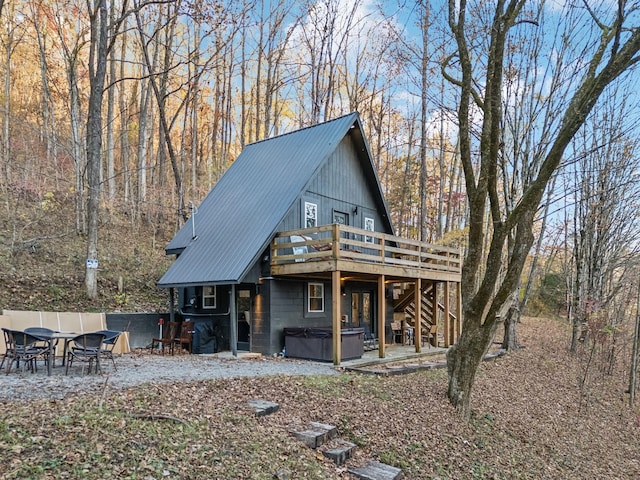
(485, 290)
(606, 226)
(9, 38)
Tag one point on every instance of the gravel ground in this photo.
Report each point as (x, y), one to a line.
(138, 368)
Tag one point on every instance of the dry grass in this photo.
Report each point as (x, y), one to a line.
(531, 421)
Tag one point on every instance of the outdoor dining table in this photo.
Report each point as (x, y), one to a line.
(51, 342)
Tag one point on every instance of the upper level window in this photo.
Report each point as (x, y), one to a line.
(370, 226)
(310, 215)
(209, 296)
(316, 297)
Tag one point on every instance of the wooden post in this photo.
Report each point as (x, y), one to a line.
(382, 313)
(449, 326)
(337, 330)
(459, 309)
(335, 250)
(417, 336)
(434, 311)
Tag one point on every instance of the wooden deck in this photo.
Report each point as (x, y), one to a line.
(328, 248)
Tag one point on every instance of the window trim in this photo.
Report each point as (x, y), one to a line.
(309, 297)
(311, 208)
(205, 296)
(369, 225)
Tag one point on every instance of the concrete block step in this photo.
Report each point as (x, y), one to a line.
(263, 407)
(377, 471)
(312, 438)
(341, 452)
(332, 431)
(317, 435)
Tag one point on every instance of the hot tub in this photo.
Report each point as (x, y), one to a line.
(316, 343)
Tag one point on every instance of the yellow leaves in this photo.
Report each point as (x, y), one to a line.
(49, 203)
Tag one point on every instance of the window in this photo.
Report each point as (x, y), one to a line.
(369, 225)
(310, 215)
(316, 297)
(209, 296)
(340, 218)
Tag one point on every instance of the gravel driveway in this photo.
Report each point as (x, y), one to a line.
(138, 368)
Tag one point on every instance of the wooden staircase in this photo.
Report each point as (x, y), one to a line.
(406, 304)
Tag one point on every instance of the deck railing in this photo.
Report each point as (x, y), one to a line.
(341, 242)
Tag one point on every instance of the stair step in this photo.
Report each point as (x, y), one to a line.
(332, 431)
(263, 407)
(377, 471)
(341, 453)
(312, 438)
(317, 435)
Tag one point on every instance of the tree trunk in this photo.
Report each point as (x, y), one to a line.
(634, 355)
(463, 360)
(97, 73)
(511, 320)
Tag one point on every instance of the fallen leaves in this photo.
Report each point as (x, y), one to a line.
(526, 425)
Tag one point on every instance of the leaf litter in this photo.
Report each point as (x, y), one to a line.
(532, 418)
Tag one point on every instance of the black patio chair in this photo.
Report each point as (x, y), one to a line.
(370, 339)
(86, 348)
(46, 334)
(26, 348)
(108, 344)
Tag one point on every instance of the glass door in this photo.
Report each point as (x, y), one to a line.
(362, 311)
(243, 314)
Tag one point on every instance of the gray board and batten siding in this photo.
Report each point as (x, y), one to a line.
(238, 218)
(342, 185)
(262, 193)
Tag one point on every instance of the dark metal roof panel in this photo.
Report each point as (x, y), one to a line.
(237, 219)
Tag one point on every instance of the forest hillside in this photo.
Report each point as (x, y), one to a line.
(43, 259)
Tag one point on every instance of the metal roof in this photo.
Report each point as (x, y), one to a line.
(239, 216)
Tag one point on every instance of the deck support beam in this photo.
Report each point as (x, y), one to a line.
(382, 314)
(434, 311)
(449, 326)
(337, 330)
(417, 331)
(458, 310)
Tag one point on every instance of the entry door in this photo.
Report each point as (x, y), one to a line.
(361, 310)
(243, 314)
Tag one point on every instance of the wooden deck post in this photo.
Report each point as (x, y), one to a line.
(382, 313)
(449, 326)
(458, 310)
(337, 329)
(417, 331)
(434, 311)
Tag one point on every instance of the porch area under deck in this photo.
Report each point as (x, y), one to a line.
(338, 252)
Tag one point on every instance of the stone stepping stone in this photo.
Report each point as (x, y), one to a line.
(341, 453)
(263, 407)
(377, 471)
(317, 435)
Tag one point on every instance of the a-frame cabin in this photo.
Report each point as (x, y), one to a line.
(296, 237)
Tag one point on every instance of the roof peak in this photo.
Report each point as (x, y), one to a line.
(315, 125)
